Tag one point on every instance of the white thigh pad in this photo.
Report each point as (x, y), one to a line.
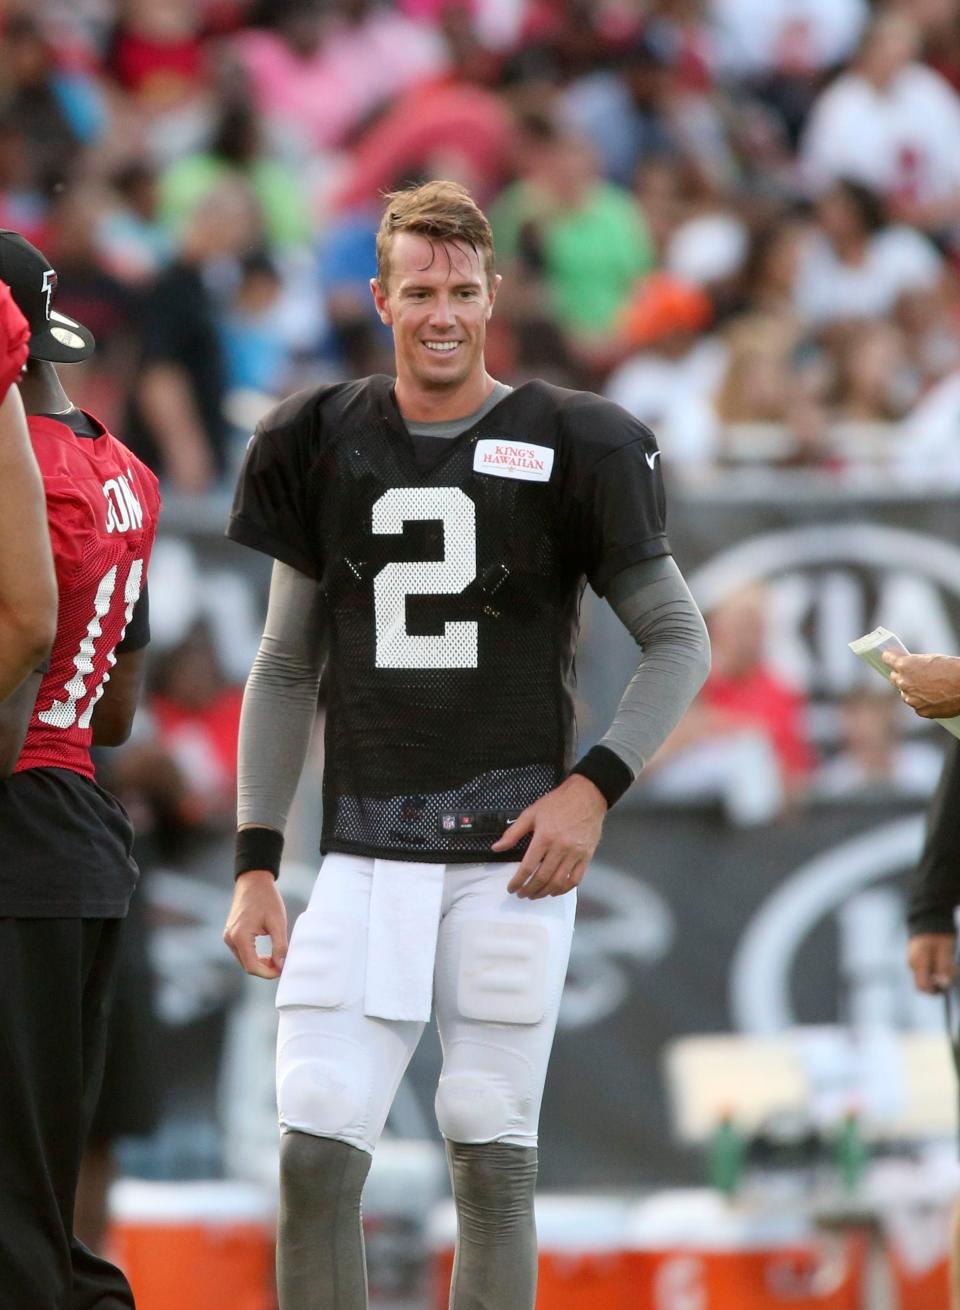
(503, 974)
(323, 967)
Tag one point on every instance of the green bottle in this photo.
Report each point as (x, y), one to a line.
(726, 1155)
(851, 1152)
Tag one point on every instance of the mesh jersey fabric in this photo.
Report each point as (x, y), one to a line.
(14, 340)
(102, 508)
(451, 596)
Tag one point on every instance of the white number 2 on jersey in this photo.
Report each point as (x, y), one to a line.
(63, 713)
(397, 648)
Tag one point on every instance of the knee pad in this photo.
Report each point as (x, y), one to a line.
(485, 1094)
(324, 1094)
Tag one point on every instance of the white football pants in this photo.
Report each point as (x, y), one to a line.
(498, 972)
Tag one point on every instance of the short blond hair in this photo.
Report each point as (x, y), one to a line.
(439, 211)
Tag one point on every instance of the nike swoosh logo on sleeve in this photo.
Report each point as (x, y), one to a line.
(651, 459)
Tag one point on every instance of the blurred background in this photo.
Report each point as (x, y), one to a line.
(740, 219)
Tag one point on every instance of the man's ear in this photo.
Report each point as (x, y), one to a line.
(380, 300)
(495, 287)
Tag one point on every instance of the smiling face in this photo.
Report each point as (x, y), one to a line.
(437, 299)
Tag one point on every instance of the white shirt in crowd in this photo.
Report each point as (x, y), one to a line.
(754, 37)
(903, 140)
(897, 260)
(651, 388)
(926, 452)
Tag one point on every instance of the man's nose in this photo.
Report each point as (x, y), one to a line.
(442, 315)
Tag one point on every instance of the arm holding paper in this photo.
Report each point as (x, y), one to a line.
(929, 684)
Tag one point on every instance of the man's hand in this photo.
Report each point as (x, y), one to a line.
(929, 684)
(257, 911)
(930, 956)
(566, 825)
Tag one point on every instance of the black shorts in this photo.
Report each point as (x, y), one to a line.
(67, 848)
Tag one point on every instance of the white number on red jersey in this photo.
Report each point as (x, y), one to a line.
(64, 713)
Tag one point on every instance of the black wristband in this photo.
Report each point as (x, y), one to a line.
(258, 848)
(607, 771)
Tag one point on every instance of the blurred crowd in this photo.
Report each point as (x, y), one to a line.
(738, 218)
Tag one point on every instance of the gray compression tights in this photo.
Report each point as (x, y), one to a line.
(320, 1260)
(496, 1262)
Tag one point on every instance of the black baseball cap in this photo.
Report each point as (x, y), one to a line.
(33, 284)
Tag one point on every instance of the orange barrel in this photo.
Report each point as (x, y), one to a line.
(694, 1250)
(917, 1242)
(582, 1263)
(207, 1244)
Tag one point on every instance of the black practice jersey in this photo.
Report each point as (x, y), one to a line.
(451, 594)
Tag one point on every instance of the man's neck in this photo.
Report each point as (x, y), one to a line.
(423, 406)
(41, 391)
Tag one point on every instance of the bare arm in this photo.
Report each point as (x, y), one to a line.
(15, 714)
(169, 409)
(28, 585)
(113, 716)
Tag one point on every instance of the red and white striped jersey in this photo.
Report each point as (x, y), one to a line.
(102, 507)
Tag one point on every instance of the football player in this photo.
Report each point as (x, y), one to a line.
(67, 873)
(28, 589)
(431, 536)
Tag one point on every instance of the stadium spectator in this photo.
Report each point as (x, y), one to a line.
(176, 421)
(92, 294)
(854, 265)
(178, 775)
(892, 124)
(874, 383)
(663, 323)
(237, 152)
(757, 39)
(317, 72)
(926, 449)
(132, 243)
(744, 740)
(873, 759)
(587, 236)
(58, 111)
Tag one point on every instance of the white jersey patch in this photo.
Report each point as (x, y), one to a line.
(513, 459)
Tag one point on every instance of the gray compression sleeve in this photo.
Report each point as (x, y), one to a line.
(280, 700)
(654, 604)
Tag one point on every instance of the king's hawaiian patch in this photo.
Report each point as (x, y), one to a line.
(513, 459)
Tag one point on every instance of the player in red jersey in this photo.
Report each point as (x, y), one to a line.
(28, 589)
(66, 872)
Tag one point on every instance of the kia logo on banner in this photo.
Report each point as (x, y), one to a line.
(829, 583)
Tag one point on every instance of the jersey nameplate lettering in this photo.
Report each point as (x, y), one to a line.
(513, 459)
(124, 511)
